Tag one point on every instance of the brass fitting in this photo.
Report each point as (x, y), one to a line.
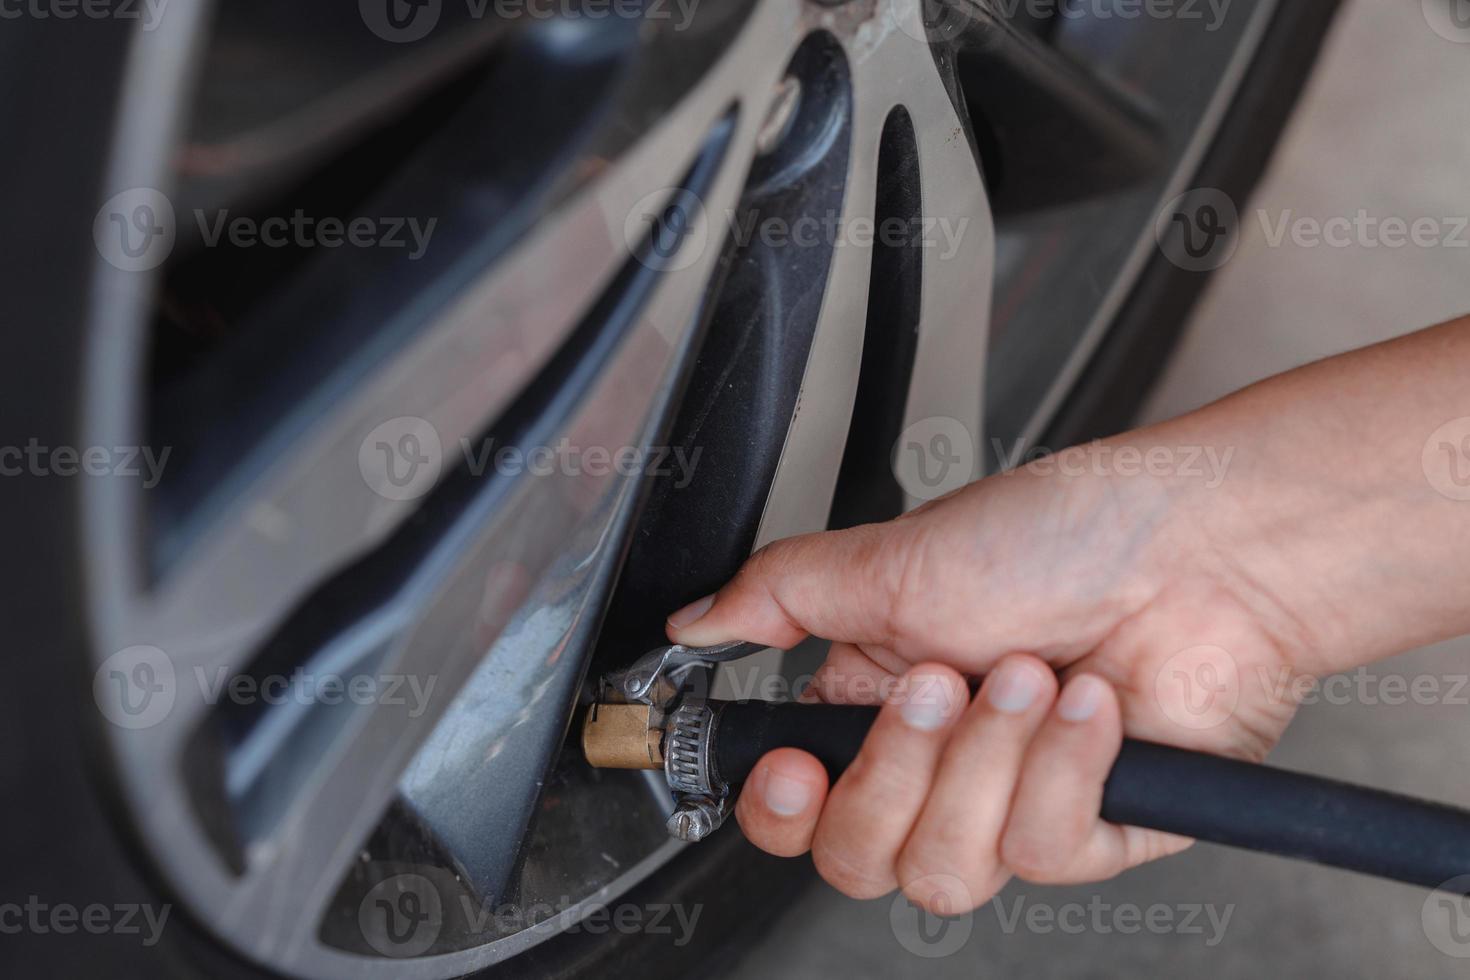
(621, 736)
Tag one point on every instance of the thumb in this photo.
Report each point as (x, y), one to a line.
(839, 585)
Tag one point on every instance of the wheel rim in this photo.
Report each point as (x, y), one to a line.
(281, 826)
(272, 883)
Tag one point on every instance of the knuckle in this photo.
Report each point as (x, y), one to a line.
(881, 773)
(785, 842)
(942, 895)
(852, 878)
(1038, 861)
(941, 873)
(763, 561)
(906, 585)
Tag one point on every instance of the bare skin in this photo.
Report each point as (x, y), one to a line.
(1095, 600)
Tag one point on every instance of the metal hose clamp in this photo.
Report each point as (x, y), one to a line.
(687, 762)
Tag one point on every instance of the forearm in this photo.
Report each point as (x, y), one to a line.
(1338, 506)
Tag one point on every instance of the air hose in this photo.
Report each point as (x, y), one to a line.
(1209, 798)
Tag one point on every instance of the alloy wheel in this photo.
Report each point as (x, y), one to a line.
(633, 218)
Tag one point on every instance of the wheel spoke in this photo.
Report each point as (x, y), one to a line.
(313, 511)
(483, 771)
(472, 595)
(1034, 98)
(956, 278)
(270, 107)
(495, 584)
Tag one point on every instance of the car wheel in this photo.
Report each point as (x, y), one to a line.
(434, 356)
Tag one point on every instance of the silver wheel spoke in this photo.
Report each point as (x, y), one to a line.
(473, 596)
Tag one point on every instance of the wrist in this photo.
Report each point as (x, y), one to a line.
(1326, 521)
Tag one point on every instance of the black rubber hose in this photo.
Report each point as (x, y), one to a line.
(1223, 801)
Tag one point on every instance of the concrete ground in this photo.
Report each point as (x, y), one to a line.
(1385, 126)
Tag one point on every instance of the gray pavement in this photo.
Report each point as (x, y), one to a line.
(1385, 126)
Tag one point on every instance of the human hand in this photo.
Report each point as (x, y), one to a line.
(1092, 606)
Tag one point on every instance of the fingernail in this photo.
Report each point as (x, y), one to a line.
(1013, 688)
(926, 702)
(1081, 698)
(786, 796)
(691, 613)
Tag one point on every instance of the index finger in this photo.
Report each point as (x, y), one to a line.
(839, 585)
